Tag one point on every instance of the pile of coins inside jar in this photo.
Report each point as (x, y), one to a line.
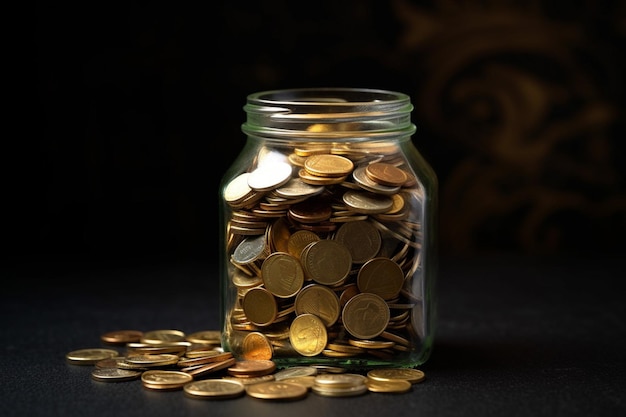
(324, 247)
(170, 360)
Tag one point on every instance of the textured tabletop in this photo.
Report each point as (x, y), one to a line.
(515, 337)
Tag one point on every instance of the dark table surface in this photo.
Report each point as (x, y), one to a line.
(516, 336)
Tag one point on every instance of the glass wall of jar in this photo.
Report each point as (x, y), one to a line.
(328, 232)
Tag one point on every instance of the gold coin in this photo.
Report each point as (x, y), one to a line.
(299, 240)
(305, 380)
(90, 356)
(206, 357)
(212, 367)
(198, 351)
(256, 346)
(260, 306)
(345, 348)
(327, 262)
(362, 239)
(161, 359)
(297, 160)
(216, 355)
(121, 337)
(339, 391)
(318, 128)
(249, 380)
(381, 276)
(395, 338)
(278, 235)
(312, 210)
(386, 174)
(282, 274)
(123, 364)
(212, 389)
(336, 354)
(379, 148)
(366, 183)
(365, 315)
(163, 336)
(372, 344)
(390, 374)
(252, 368)
(343, 380)
(347, 293)
(249, 201)
(321, 227)
(308, 335)
(247, 227)
(317, 180)
(213, 337)
(114, 374)
(393, 386)
(243, 281)
(110, 362)
(399, 204)
(269, 213)
(162, 387)
(339, 382)
(277, 390)
(327, 165)
(166, 379)
(346, 219)
(320, 301)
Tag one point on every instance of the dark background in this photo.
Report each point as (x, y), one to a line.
(133, 112)
(128, 113)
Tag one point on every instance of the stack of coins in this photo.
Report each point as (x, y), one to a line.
(324, 246)
(340, 385)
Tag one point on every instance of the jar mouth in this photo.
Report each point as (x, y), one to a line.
(322, 113)
(328, 95)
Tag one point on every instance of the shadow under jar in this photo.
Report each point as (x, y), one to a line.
(328, 232)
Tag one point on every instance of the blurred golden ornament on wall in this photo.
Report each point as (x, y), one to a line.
(521, 101)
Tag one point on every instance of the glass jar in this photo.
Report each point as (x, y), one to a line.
(328, 232)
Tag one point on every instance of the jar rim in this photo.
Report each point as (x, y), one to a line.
(328, 112)
(323, 96)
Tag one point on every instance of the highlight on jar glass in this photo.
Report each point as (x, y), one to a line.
(328, 232)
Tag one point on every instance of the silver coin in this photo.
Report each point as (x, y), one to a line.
(269, 176)
(114, 374)
(367, 203)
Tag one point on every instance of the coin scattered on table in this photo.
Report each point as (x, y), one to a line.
(390, 374)
(397, 386)
(163, 336)
(114, 374)
(150, 360)
(214, 389)
(277, 390)
(165, 380)
(204, 371)
(339, 385)
(121, 337)
(90, 356)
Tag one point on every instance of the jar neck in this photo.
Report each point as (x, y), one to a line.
(337, 114)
